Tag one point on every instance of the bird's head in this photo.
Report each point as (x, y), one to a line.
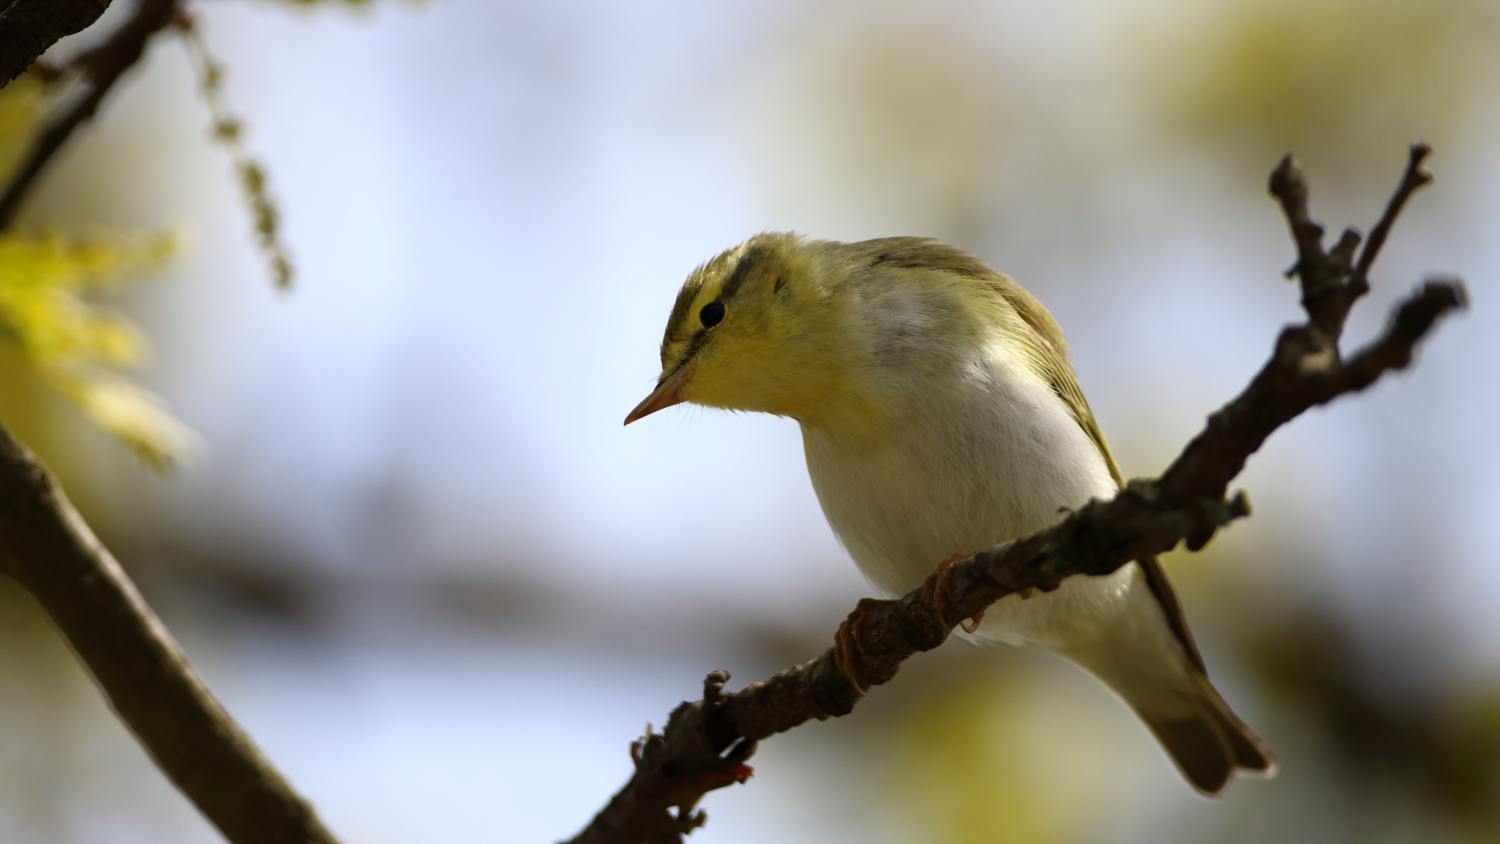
(844, 336)
(757, 328)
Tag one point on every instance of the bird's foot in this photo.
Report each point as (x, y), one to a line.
(846, 641)
(934, 587)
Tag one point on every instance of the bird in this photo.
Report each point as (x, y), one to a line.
(940, 415)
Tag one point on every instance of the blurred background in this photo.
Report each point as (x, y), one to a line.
(419, 558)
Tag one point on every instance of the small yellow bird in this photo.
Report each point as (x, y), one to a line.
(940, 416)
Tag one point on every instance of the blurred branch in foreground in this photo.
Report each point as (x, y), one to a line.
(706, 743)
(45, 544)
(29, 27)
(103, 65)
(51, 552)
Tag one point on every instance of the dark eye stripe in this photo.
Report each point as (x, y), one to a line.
(679, 329)
(753, 255)
(693, 346)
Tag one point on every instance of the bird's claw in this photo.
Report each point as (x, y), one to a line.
(936, 586)
(846, 644)
(972, 623)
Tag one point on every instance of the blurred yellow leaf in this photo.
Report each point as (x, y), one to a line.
(137, 418)
(43, 279)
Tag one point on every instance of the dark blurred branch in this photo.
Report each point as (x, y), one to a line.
(1413, 179)
(29, 27)
(46, 546)
(706, 743)
(103, 65)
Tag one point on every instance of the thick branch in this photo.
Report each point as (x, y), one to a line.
(47, 547)
(104, 65)
(705, 744)
(29, 27)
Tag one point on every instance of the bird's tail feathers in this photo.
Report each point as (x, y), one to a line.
(1205, 739)
(1147, 666)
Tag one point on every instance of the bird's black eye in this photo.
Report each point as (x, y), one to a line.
(712, 314)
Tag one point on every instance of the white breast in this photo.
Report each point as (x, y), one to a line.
(978, 461)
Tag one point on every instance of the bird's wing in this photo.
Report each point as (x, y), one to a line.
(1042, 340)
(1045, 346)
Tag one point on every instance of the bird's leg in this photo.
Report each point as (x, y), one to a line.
(846, 641)
(936, 584)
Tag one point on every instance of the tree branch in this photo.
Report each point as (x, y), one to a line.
(29, 27)
(706, 743)
(104, 65)
(49, 549)
(46, 546)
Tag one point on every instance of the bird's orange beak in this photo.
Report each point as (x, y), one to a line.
(667, 393)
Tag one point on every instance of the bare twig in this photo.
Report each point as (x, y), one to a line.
(46, 546)
(1414, 178)
(705, 741)
(104, 65)
(29, 27)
